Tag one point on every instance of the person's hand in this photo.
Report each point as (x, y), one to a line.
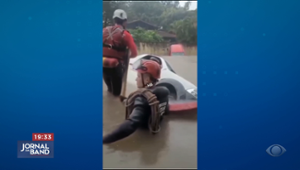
(123, 99)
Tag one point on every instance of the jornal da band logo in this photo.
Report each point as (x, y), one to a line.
(41, 146)
(36, 148)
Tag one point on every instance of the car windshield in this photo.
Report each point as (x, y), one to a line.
(138, 62)
(177, 54)
(169, 67)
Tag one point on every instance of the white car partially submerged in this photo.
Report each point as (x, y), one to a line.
(183, 94)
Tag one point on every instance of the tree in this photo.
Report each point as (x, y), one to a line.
(186, 31)
(148, 11)
(145, 36)
(171, 15)
(187, 5)
(166, 14)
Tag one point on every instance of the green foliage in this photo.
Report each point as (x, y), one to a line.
(166, 14)
(146, 36)
(186, 31)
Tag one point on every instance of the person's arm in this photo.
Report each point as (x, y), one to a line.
(130, 44)
(130, 125)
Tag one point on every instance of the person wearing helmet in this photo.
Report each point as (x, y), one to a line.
(117, 43)
(144, 107)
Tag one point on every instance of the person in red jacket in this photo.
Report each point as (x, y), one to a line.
(118, 45)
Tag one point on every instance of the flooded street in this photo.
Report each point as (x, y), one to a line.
(174, 147)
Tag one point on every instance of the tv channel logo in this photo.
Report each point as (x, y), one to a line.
(275, 150)
(41, 146)
(35, 149)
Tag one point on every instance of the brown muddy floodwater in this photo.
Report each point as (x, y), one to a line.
(174, 147)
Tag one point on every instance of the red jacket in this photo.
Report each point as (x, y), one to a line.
(116, 41)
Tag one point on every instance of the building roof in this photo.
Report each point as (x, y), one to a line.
(165, 34)
(135, 21)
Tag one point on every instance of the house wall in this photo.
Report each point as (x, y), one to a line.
(162, 49)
